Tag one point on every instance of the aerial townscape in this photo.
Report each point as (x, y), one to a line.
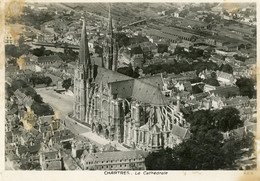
(130, 86)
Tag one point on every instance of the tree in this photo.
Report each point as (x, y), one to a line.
(161, 160)
(48, 53)
(126, 70)
(12, 51)
(29, 91)
(8, 91)
(21, 41)
(246, 87)
(178, 50)
(226, 68)
(38, 51)
(224, 120)
(38, 98)
(193, 154)
(212, 81)
(227, 119)
(41, 109)
(47, 80)
(196, 89)
(213, 75)
(66, 83)
(98, 50)
(206, 149)
(123, 40)
(162, 48)
(30, 166)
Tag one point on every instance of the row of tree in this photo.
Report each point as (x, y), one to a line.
(40, 80)
(179, 67)
(206, 149)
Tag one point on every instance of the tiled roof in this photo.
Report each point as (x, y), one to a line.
(225, 75)
(70, 164)
(153, 80)
(19, 94)
(51, 58)
(180, 131)
(161, 34)
(138, 90)
(147, 93)
(109, 148)
(107, 76)
(51, 155)
(201, 95)
(35, 148)
(121, 155)
(226, 91)
(46, 119)
(62, 135)
(175, 31)
(237, 100)
(53, 165)
(45, 128)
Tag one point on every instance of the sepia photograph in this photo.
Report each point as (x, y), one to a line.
(125, 86)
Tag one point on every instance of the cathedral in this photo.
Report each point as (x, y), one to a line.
(138, 113)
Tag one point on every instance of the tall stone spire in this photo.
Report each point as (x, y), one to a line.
(110, 24)
(82, 78)
(109, 40)
(84, 57)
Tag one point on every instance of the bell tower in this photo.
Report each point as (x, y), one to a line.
(82, 78)
(110, 48)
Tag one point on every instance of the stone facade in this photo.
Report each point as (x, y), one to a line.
(135, 112)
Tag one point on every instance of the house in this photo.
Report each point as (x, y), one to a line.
(194, 24)
(179, 34)
(208, 88)
(51, 160)
(225, 78)
(61, 136)
(48, 60)
(8, 38)
(217, 59)
(226, 91)
(155, 35)
(56, 66)
(241, 72)
(70, 163)
(123, 160)
(11, 71)
(32, 66)
(205, 74)
(238, 102)
(137, 60)
(77, 148)
(178, 134)
(186, 46)
(216, 102)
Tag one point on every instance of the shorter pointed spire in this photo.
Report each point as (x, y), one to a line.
(84, 57)
(110, 24)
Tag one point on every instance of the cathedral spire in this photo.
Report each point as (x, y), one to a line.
(110, 24)
(84, 57)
